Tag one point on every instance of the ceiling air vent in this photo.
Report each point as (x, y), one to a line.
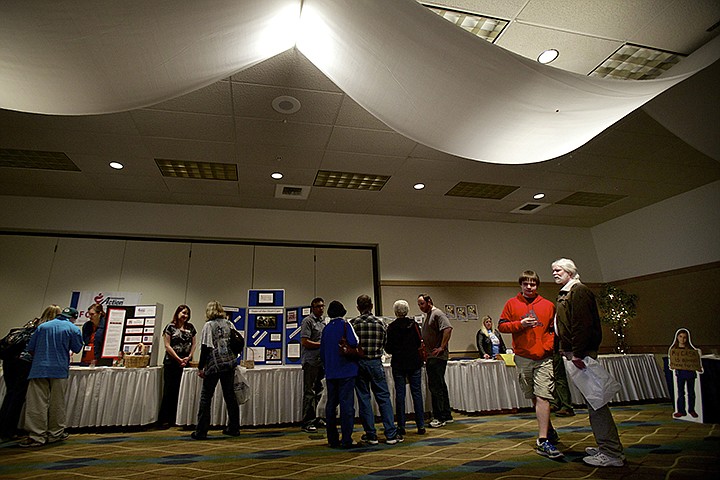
(529, 208)
(292, 192)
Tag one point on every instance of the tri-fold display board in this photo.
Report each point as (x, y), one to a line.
(265, 326)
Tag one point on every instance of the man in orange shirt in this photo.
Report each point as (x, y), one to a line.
(529, 318)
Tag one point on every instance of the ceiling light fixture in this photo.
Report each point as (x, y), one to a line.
(276, 175)
(548, 56)
(538, 196)
(419, 186)
(286, 104)
(635, 62)
(117, 165)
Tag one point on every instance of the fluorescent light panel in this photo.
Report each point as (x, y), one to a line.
(43, 160)
(487, 28)
(481, 190)
(197, 170)
(349, 180)
(634, 62)
(589, 199)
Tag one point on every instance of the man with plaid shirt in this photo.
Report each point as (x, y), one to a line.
(372, 334)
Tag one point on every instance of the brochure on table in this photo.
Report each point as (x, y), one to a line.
(293, 322)
(126, 326)
(265, 322)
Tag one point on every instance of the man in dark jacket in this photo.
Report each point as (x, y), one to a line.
(579, 334)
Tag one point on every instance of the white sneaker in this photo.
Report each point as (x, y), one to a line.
(436, 423)
(592, 451)
(602, 460)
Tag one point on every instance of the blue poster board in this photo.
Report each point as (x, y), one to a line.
(237, 316)
(265, 326)
(293, 321)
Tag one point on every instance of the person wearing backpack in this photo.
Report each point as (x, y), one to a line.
(16, 370)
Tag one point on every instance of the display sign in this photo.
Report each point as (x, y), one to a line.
(127, 326)
(293, 322)
(265, 326)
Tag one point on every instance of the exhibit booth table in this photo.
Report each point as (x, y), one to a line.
(111, 396)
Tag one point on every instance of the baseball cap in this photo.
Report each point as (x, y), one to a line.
(69, 312)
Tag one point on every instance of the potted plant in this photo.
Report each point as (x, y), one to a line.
(617, 309)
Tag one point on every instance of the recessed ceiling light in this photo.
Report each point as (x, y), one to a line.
(419, 186)
(548, 56)
(538, 196)
(277, 175)
(286, 104)
(117, 165)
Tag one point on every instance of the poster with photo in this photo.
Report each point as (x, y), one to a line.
(461, 313)
(450, 311)
(472, 311)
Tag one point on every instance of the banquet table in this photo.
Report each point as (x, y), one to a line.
(111, 396)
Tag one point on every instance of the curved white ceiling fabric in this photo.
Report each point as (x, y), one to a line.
(418, 73)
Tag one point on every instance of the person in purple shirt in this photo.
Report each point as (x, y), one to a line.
(50, 347)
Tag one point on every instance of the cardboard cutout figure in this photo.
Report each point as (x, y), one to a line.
(685, 362)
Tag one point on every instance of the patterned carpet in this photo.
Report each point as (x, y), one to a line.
(475, 446)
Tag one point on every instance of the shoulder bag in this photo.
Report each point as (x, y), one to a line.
(421, 349)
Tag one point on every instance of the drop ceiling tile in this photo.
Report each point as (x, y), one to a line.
(212, 187)
(290, 134)
(361, 163)
(255, 101)
(188, 149)
(279, 157)
(370, 141)
(578, 53)
(214, 100)
(288, 69)
(353, 115)
(182, 125)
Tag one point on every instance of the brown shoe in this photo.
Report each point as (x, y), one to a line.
(565, 412)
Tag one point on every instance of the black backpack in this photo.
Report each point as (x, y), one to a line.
(15, 342)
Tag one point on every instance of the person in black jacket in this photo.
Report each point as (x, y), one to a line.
(15, 374)
(488, 340)
(403, 341)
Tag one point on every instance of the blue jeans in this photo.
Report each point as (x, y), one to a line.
(415, 380)
(435, 369)
(340, 392)
(372, 375)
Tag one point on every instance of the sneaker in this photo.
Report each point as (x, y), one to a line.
(553, 437)
(370, 439)
(396, 439)
(320, 423)
(602, 460)
(231, 433)
(421, 431)
(693, 414)
(309, 428)
(449, 420)
(29, 442)
(59, 438)
(436, 423)
(547, 449)
(565, 412)
(679, 414)
(592, 451)
(198, 436)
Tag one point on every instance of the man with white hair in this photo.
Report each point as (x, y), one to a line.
(578, 335)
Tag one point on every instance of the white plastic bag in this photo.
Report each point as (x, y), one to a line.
(241, 386)
(594, 382)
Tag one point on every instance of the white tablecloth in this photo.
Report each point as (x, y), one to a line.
(483, 385)
(107, 396)
(277, 394)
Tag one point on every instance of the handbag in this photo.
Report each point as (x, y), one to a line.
(421, 349)
(241, 386)
(236, 342)
(13, 344)
(349, 351)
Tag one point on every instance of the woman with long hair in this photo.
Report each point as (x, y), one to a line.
(489, 341)
(217, 363)
(179, 339)
(93, 332)
(15, 374)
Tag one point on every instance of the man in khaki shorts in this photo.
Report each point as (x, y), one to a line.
(529, 318)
